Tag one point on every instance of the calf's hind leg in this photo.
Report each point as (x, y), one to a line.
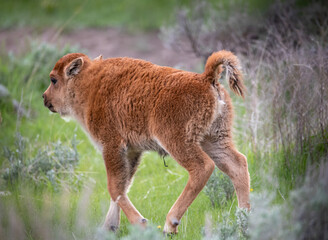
(199, 166)
(232, 163)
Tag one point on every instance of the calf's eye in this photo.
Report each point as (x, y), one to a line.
(53, 80)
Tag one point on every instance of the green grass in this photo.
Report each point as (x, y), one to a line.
(85, 13)
(134, 15)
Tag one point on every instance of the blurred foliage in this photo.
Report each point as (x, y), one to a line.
(32, 67)
(134, 15)
(61, 216)
(303, 216)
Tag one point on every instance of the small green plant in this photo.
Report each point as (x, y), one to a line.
(231, 228)
(219, 188)
(53, 164)
(242, 217)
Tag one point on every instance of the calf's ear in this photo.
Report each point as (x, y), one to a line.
(74, 67)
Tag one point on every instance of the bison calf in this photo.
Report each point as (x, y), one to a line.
(128, 106)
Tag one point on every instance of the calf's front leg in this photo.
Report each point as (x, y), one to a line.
(119, 173)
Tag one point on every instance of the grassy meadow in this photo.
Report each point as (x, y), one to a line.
(53, 181)
(134, 15)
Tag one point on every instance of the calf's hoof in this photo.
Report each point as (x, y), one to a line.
(111, 228)
(171, 227)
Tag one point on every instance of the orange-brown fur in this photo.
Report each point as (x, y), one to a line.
(130, 105)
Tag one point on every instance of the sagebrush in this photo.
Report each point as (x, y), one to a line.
(53, 164)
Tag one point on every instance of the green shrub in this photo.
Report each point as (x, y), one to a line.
(219, 188)
(53, 164)
(231, 228)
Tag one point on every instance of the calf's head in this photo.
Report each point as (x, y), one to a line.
(56, 97)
